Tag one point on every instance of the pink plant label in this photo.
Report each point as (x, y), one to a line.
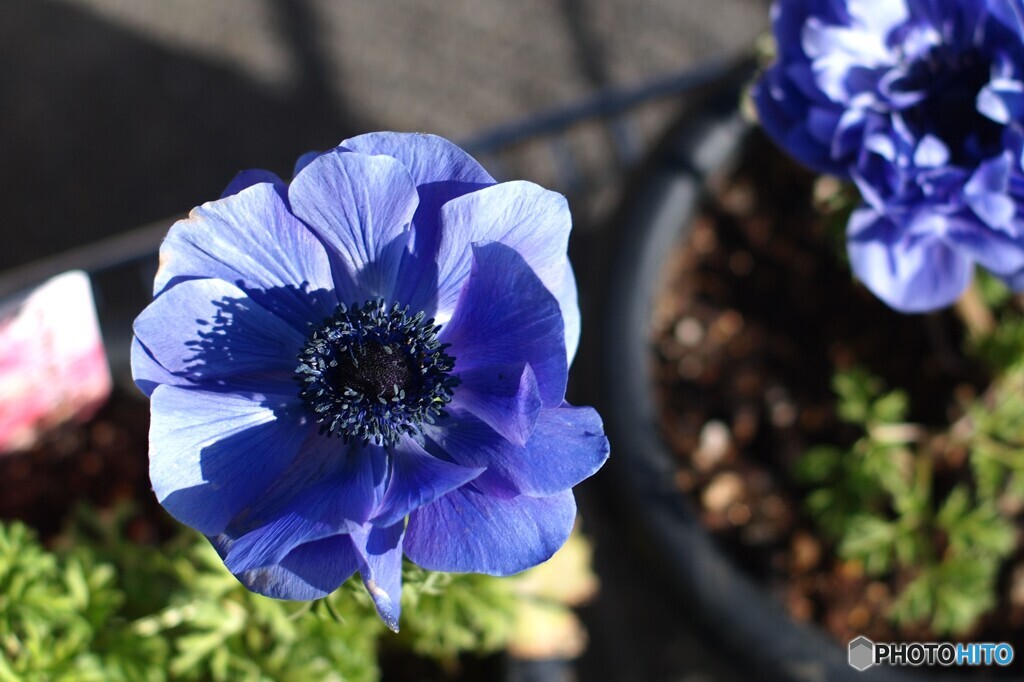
(53, 368)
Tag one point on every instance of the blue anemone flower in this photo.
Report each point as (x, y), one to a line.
(368, 361)
(921, 104)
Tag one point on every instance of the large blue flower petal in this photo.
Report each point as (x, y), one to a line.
(505, 397)
(417, 478)
(380, 566)
(986, 193)
(567, 446)
(253, 241)
(362, 208)
(211, 454)
(441, 171)
(147, 372)
(506, 317)
(996, 250)
(910, 273)
(310, 571)
(211, 334)
(468, 531)
(428, 158)
(531, 220)
(327, 490)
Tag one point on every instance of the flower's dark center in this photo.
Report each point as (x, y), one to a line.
(371, 373)
(952, 81)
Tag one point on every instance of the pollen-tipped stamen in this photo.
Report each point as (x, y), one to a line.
(373, 373)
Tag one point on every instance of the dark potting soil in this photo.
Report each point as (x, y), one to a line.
(102, 463)
(757, 310)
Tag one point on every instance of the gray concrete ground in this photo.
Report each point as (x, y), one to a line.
(117, 113)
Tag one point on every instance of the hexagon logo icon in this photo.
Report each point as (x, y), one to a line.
(862, 653)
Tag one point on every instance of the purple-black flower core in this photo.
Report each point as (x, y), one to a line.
(922, 105)
(373, 374)
(368, 362)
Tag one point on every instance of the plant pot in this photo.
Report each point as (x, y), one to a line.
(724, 600)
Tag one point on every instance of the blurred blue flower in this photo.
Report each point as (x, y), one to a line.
(921, 104)
(366, 362)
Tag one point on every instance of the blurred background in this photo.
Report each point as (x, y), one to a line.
(117, 114)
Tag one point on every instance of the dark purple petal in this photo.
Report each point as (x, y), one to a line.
(506, 317)
(211, 334)
(467, 531)
(531, 220)
(213, 454)
(252, 241)
(380, 566)
(361, 207)
(567, 446)
(417, 478)
(310, 571)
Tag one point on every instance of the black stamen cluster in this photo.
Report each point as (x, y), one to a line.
(371, 373)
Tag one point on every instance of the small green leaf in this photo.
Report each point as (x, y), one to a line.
(870, 539)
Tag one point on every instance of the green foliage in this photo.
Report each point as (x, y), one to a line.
(994, 292)
(456, 613)
(113, 611)
(878, 502)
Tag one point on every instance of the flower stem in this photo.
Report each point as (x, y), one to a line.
(974, 312)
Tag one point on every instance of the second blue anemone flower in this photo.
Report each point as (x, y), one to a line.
(920, 103)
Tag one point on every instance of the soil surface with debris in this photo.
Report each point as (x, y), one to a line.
(756, 313)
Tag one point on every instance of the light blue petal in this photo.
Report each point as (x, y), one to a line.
(362, 208)
(994, 250)
(506, 317)
(986, 191)
(310, 571)
(212, 454)
(505, 397)
(252, 241)
(211, 333)
(417, 478)
(428, 158)
(531, 220)
(147, 372)
(330, 488)
(567, 446)
(468, 531)
(380, 566)
(931, 152)
(910, 273)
